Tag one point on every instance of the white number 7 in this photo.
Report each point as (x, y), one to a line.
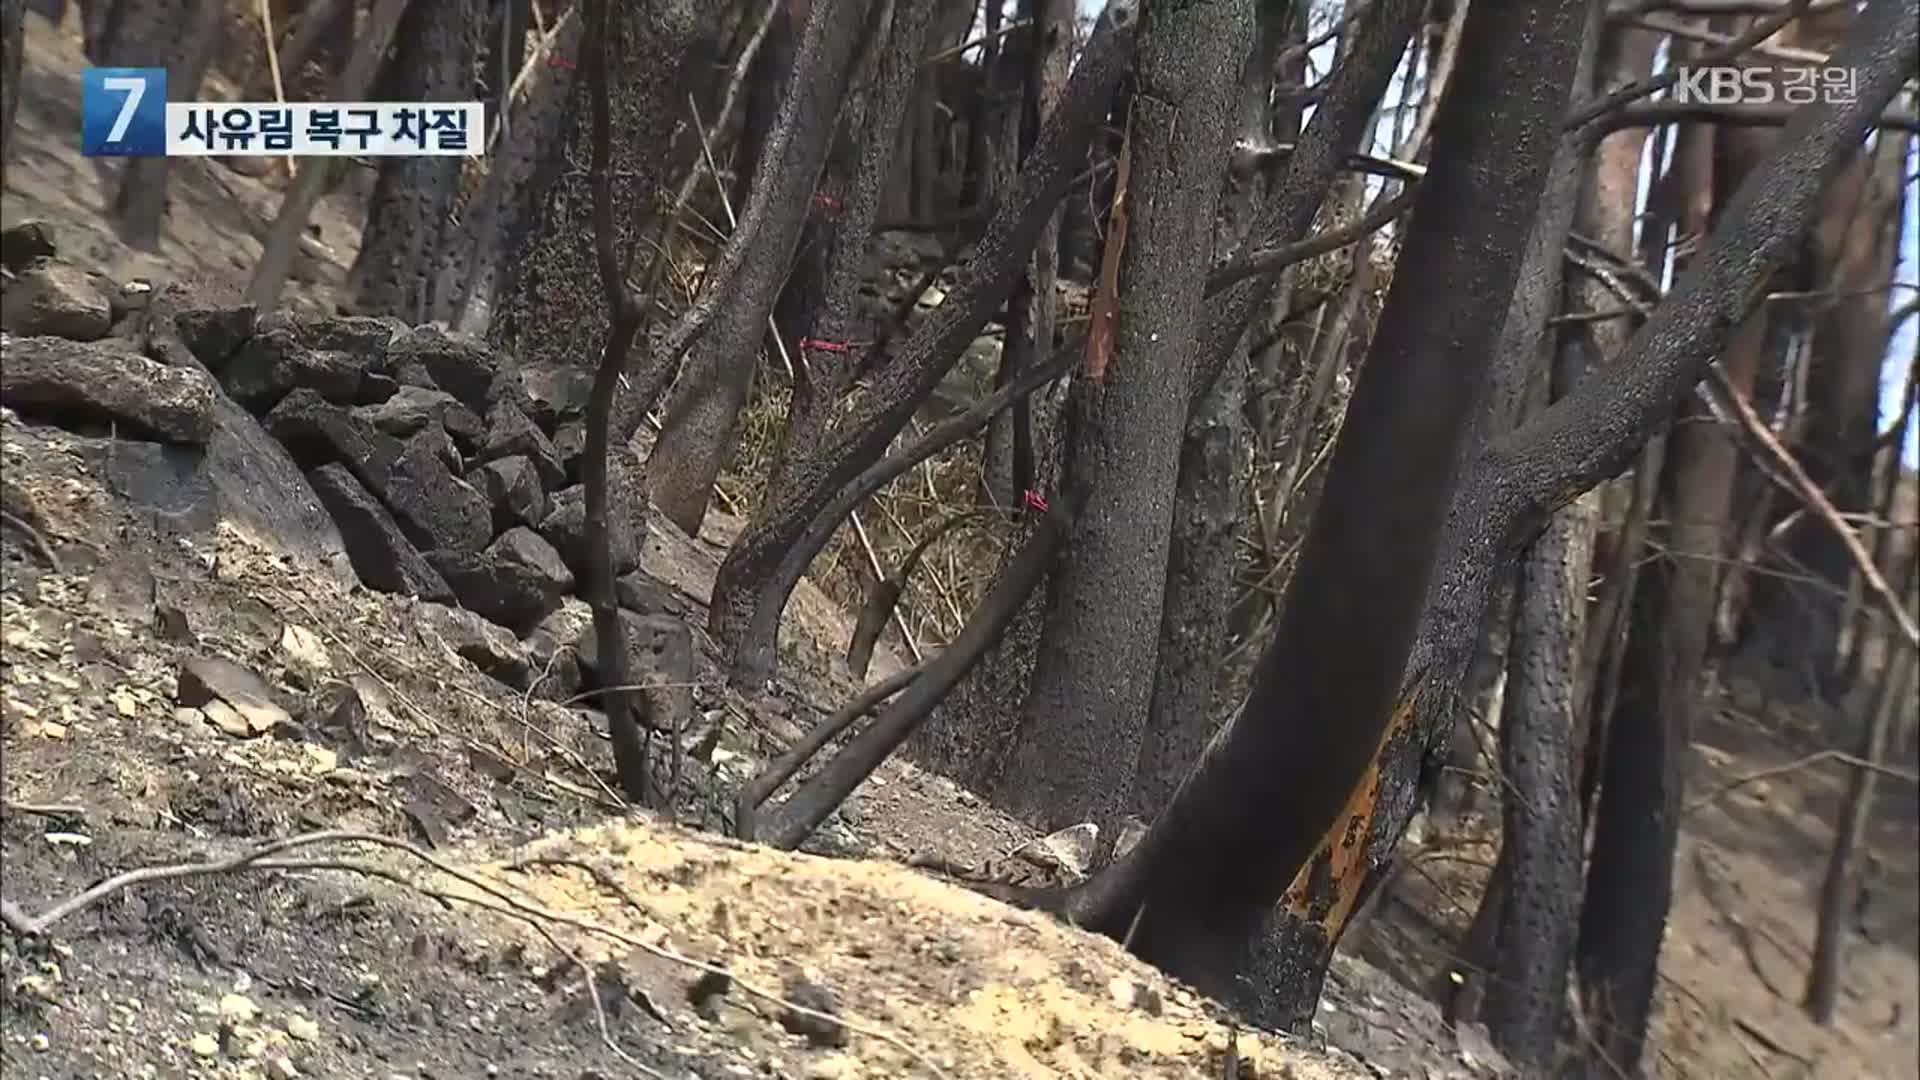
(136, 88)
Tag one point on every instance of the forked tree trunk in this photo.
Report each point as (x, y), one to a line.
(771, 554)
(697, 437)
(407, 219)
(1087, 703)
(1515, 485)
(1198, 888)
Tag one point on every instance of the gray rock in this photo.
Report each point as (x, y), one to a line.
(281, 357)
(317, 432)
(639, 592)
(556, 394)
(435, 508)
(491, 648)
(214, 334)
(524, 547)
(565, 528)
(459, 365)
(441, 443)
(381, 553)
(512, 487)
(411, 408)
(510, 433)
(248, 703)
(570, 445)
(101, 383)
(517, 581)
(55, 299)
(241, 476)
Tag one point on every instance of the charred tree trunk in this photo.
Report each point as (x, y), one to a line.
(1215, 457)
(549, 311)
(504, 209)
(821, 375)
(1636, 822)
(1091, 688)
(181, 36)
(414, 198)
(1199, 887)
(1034, 63)
(697, 437)
(768, 558)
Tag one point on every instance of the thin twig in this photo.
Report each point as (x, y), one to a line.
(273, 59)
(1799, 484)
(43, 809)
(1796, 765)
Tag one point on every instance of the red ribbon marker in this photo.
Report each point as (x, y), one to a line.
(557, 61)
(823, 201)
(1035, 501)
(808, 344)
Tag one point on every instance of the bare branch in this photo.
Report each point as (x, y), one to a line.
(1788, 473)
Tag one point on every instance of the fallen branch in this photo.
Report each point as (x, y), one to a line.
(818, 797)
(747, 803)
(1796, 765)
(259, 857)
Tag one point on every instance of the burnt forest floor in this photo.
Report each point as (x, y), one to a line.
(366, 961)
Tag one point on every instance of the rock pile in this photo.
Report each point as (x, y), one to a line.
(433, 465)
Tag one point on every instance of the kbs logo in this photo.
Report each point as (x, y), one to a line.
(1765, 85)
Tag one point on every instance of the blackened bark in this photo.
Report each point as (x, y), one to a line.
(1215, 458)
(1526, 992)
(549, 309)
(1209, 494)
(1198, 887)
(623, 324)
(413, 199)
(810, 805)
(822, 376)
(769, 556)
(182, 37)
(1319, 900)
(1041, 60)
(697, 436)
(502, 212)
(1534, 934)
(1087, 703)
(1636, 822)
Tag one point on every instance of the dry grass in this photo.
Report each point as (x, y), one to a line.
(957, 568)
